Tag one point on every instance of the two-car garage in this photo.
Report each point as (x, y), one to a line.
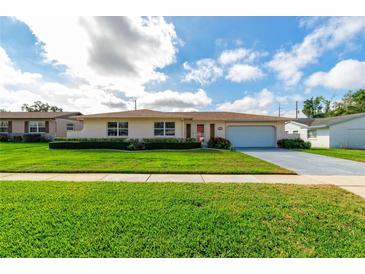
(251, 136)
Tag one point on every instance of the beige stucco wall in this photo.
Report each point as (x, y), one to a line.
(137, 128)
(144, 128)
(218, 132)
(18, 125)
(57, 128)
(61, 126)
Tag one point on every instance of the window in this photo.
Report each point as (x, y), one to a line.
(70, 127)
(170, 128)
(4, 126)
(164, 129)
(295, 131)
(117, 129)
(312, 133)
(37, 126)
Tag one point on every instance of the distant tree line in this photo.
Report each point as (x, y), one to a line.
(320, 107)
(38, 106)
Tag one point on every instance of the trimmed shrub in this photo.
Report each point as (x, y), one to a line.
(62, 139)
(169, 140)
(4, 137)
(16, 138)
(135, 144)
(294, 144)
(167, 145)
(131, 144)
(35, 138)
(88, 145)
(220, 143)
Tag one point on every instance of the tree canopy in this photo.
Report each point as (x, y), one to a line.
(351, 103)
(38, 106)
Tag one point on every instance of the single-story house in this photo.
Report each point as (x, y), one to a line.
(243, 130)
(51, 124)
(347, 131)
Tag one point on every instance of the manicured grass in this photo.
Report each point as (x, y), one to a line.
(33, 157)
(93, 219)
(349, 154)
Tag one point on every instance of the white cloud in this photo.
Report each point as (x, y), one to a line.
(9, 75)
(335, 32)
(119, 52)
(291, 113)
(176, 101)
(204, 71)
(241, 72)
(347, 74)
(108, 60)
(18, 87)
(260, 103)
(239, 54)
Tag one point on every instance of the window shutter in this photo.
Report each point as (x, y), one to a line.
(10, 127)
(47, 126)
(26, 126)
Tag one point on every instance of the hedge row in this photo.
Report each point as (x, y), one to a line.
(190, 145)
(27, 137)
(125, 145)
(89, 145)
(63, 139)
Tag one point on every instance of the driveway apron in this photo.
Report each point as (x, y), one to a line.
(306, 163)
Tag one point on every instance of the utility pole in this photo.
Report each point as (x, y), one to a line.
(279, 110)
(135, 104)
(296, 109)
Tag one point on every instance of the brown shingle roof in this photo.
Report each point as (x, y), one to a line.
(36, 115)
(324, 122)
(334, 120)
(207, 115)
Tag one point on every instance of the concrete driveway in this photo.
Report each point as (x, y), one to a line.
(306, 163)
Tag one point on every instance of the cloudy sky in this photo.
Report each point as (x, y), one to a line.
(243, 64)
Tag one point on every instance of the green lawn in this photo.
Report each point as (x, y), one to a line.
(33, 157)
(349, 154)
(93, 219)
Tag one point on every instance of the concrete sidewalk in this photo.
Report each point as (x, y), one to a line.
(355, 184)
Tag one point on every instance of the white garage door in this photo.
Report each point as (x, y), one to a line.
(251, 136)
(356, 138)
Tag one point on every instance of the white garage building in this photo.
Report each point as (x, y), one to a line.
(243, 130)
(346, 131)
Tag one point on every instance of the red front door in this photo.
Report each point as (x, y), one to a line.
(200, 132)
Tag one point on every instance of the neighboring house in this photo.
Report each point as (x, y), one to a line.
(243, 130)
(346, 131)
(52, 124)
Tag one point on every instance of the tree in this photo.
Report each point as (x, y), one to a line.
(38, 106)
(351, 103)
(317, 107)
(3, 110)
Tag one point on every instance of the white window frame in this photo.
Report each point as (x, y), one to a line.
(37, 126)
(118, 128)
(70, 126)
(4, 127)
(164, 129)
(314, 136)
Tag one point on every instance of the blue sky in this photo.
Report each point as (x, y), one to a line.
(243, 64)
